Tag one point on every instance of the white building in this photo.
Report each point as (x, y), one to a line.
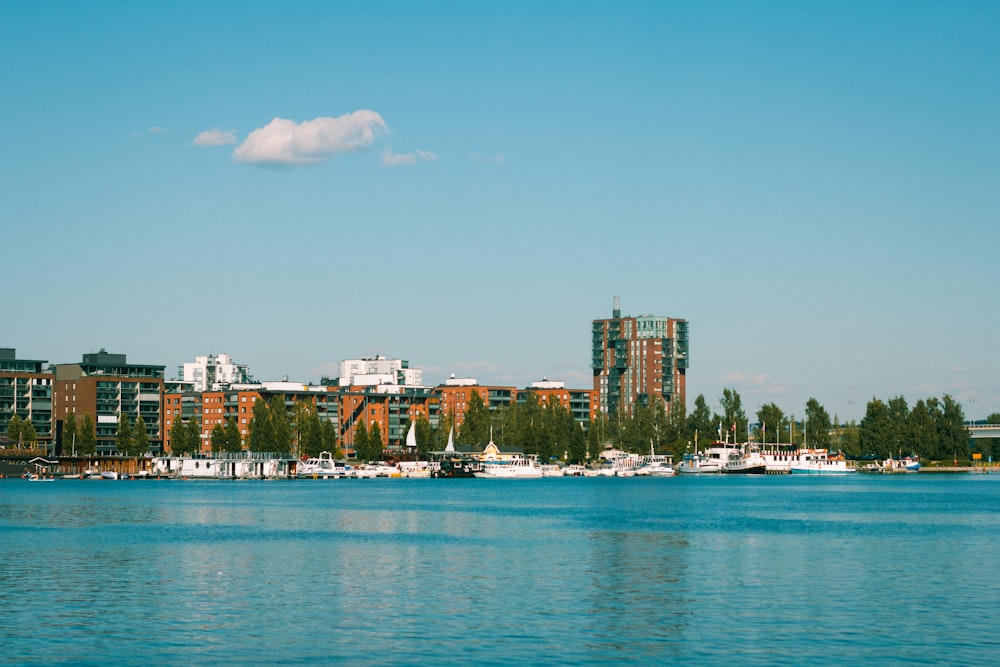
(379, 371)
(211, 373)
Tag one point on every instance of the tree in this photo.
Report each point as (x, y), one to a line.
(179, 441)
(375, 444)
(69, 433)
(818, 423)
(140, 439)
(875, 429)
(476, 423)
(15, 430)
(735, 419)
(261, 432)
(700, 423)
(281, 427)
(123, 438)
(233, 441)
(361, 441)
(921, 430)
(953, 434)
(329, 434)
(428, 440)
(218, 438)
(310, 430)
(899, 416)
(86, 441)
(773, 422)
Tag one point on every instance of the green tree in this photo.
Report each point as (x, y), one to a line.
(921, 430)
(310, 430)
(773, 422)
(375, 444)
(735, 419)
(330, 442)
(361, 441)
(69, 433)
(28, 434)
(899, 417)
(261, 432)
(476, 422)
(86, 441)
(218, 438)
(14, 430)
(427, 439)
(123, 438)
(179, 441)
(953, 433)
(874, 431)
(281, 426)
(818, 423)
(140, 438)
(233, 440)
(700, 424)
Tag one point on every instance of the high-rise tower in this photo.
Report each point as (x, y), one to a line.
(638, 358)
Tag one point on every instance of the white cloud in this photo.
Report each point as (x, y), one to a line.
(156, 129)
(390, 159)
(286, 142)
(215, 137)
(495, 160)
(755, 383)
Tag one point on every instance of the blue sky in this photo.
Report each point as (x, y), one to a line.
(814, 186)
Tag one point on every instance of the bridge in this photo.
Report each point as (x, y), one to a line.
(984, 431)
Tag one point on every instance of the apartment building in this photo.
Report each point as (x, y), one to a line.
(105, 386)
(26, 391)
(638, 358)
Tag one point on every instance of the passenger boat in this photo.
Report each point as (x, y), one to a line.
(321, 467)
(518, 467)
(818, 462)
(711, 461)
(745, 462)
(658, 467)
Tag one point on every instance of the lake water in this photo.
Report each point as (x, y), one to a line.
(881, 570)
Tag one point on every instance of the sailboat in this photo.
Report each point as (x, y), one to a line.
(413, 468)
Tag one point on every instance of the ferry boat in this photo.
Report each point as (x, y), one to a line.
(817, 462)
(656, 466)
(711, 461)
(321, 467)
(745, 462)
(518, 467)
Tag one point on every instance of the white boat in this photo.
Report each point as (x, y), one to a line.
(817, 462)
(109, 474)
(745, 462)
(321, 467)
(619, 464)
(709, 462)
(575, 470)
(518, 467)
(658, 467)
(552, 470)
(415, 469)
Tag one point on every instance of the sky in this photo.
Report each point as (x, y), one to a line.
(814, 186)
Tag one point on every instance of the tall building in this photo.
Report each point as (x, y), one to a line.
(104, 386)
(638, 358)
(26, 391)
(379, 370)
(214, 372)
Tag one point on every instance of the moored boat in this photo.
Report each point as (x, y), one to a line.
(745, 462)
(818, 462)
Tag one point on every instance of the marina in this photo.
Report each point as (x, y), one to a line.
(609, 570)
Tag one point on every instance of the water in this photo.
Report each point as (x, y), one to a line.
(774, 570)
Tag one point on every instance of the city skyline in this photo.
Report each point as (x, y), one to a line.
(812, 188)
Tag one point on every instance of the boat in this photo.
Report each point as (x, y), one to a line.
(553, 470)
(745, 461)
(817, 462)
(518, 467)
(709, 462)
(109, 474)
(321, 467)
(655, 465)
(574, 470)
(657, 468)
